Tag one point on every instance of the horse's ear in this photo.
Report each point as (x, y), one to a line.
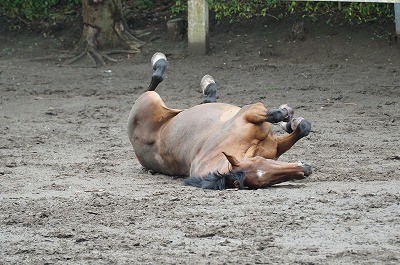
(232, 160)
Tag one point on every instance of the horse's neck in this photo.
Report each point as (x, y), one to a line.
(209, 163)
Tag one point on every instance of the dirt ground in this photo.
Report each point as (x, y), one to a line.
(72, 191)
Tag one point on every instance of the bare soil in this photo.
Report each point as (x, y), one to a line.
(72, 191)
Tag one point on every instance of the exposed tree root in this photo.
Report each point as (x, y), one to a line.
(126, 37)
(88, 45)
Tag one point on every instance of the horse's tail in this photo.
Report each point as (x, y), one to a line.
(159, 63)
(217, 181)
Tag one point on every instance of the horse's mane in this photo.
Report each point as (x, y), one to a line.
(216, 180)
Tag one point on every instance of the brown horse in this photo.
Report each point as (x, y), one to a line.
(215, 145)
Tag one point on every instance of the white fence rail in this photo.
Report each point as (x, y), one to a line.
(198, 24)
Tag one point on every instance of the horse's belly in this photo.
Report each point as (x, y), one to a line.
(183, 138)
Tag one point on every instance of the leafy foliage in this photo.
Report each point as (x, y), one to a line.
(179, 7)
(25, 12)
(242, 9)
(352, 12)
(145, 4)
(35, 10)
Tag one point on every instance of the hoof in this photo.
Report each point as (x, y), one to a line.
(304, 128)
(286, 126)
(276, 115)
(209, 88)
(290, 112)
(205, 82)
(307, 169)
(156, 57)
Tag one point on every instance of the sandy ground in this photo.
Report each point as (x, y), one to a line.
(71, 190)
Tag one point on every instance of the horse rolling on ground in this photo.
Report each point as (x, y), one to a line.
(215, 145)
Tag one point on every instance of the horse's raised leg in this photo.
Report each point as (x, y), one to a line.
(259, 114)
(299, 128)
(209, 88)
(286, 125)
(159, 64)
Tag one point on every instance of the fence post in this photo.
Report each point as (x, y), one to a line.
(397, 17)
(198, 27)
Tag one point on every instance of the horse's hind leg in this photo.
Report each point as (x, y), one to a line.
(159, 64)
(209, 88)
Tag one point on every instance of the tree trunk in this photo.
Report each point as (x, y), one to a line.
(104, 32)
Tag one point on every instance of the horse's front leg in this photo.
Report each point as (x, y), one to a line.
(284, 115)
(259, 114)
(297, 128)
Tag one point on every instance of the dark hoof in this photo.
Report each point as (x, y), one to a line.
(304, 128)
(160, 64)
(307, 169)
(287, 126)
(209, 88)
(210, 93)
(290, 112)
(276, 115)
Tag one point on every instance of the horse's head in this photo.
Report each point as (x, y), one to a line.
(260, 172)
